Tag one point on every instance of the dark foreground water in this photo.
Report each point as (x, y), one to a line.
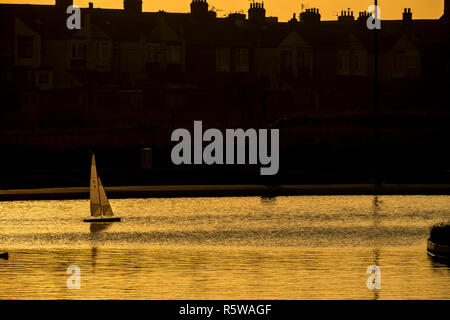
(225, 248)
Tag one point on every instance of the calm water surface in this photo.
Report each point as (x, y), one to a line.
(225, 248)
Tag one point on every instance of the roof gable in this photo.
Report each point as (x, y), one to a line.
(162, 32)
(294, 39)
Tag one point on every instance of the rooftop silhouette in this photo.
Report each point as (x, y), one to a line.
(129, 78)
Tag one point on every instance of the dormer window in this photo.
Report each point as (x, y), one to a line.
(301, 59)
(344, 63)
(79, 54)
(102, 50)
(223, 59)
(304, 62)
(286, 62)
(79, 50)
(173, 53)
(153, 52)
(396, 63)
(357, 63)
(242, 61)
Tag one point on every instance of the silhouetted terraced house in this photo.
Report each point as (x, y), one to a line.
(178, 66)
(353, 57)
(284, 53)
(21, 50)
(403, 59)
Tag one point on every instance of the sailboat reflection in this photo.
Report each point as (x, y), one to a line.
(268, 200)
(98, 227)
(95, 229)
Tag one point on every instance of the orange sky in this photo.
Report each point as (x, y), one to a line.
(390, 9)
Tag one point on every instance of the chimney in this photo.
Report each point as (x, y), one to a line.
(407, 15)
(132, 6)
(346, 16)
(293, 21)
(63, 4)
(257, 13)
(363, 16)
(199, 8)
(310, 16)
(91, 5)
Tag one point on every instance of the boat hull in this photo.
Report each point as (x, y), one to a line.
(438, 250)
(102, 220)
(4, 256)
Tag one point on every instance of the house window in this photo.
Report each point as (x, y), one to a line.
(357, 63)
(79, 51)
(153, 52)
(396, 64)
(344, 63)
(286, 61)
(25, 46)
(222, 59)
(242, 60)
(301, 59)
(304, 64)
(173, 54)
(102, 50)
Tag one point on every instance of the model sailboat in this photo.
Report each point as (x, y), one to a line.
(100, 208)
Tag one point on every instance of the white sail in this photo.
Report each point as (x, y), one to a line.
(104, 203)
(94, 191)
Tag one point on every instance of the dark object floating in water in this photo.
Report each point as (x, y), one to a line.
(438, 244)
(102, 220)
(4, 256)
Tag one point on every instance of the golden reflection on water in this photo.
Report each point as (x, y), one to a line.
(225, 248)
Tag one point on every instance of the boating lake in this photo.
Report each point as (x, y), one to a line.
(306, 247)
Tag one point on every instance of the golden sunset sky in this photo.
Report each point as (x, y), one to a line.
(390, 9)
